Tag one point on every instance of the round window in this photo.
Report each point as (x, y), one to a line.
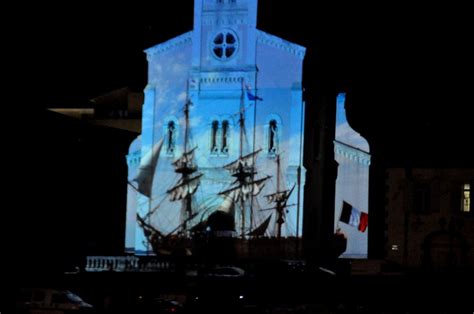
(224, 45)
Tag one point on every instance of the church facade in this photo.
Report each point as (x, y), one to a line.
(222, 130)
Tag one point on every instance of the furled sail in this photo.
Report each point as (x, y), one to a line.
(185, 162)
(243, 163)
(278, 196)
(245, 190)
(184, 188)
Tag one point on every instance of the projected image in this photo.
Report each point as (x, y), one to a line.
(351, 218)
(220, 154)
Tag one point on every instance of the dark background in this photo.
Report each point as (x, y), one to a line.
(407, 69)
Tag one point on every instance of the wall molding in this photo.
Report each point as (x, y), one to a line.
(351, 153)
(170, 44)
(277, 42)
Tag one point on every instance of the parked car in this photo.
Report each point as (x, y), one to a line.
(225, 272)
(41, 300)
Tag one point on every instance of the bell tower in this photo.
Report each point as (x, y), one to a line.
(224, 35)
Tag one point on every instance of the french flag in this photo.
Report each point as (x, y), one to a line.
(354, 217)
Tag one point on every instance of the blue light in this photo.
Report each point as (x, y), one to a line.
(247, 101)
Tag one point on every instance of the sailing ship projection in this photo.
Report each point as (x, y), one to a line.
(250, 213)
(220, 153)
(182, 191)
(240, 197)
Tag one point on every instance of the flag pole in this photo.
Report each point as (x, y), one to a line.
(298, 177)
(253, 148)
(150, 198)
(339, 219)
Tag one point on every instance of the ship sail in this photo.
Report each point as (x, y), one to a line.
(146, 170)
(244, 163)
(227, 205)
(278, 196)
(185, 162)
(244, 190)
(182, 191)
(260, 230)
(184, 188)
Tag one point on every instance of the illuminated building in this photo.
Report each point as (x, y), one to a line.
(217, 94)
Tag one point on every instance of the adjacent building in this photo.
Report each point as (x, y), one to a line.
(430, 218)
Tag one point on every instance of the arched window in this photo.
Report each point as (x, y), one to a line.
(170, 137)
(214, 133)
(225, 134)
(272, 137)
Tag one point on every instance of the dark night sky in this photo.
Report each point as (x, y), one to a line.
(408, 69)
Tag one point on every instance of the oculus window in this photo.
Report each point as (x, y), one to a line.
(224, 45)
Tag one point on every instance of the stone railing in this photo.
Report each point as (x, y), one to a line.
(126, 264)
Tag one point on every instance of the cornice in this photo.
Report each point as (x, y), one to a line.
(229, 19)
(277, 42)
(170, 44)
(351, 153)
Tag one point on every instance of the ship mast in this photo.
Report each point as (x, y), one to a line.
(280, 198)
(243, 170)
(189, 181)
(187, 200)
(241, 125)
(279, 202)
(242, 175)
